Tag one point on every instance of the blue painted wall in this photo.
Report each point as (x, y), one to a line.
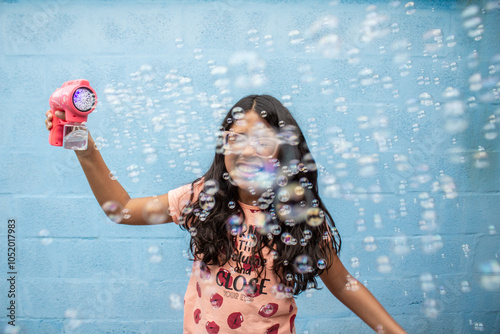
(399, 103)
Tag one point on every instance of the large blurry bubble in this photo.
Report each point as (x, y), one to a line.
(114, 211)
(154, 212)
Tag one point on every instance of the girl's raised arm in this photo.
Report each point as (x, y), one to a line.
(358, 299)
(106, 189)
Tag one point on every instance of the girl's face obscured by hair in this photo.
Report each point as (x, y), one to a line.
(250, 154)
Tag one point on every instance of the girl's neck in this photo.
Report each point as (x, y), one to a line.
(246, 197)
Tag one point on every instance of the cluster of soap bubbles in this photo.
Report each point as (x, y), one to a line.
(349, 169)
(472, 23)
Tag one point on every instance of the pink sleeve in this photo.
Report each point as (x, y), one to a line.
(179, 198)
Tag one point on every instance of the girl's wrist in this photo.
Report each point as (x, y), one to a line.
(87, 152)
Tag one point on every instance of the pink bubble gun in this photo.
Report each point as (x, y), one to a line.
(77, 99)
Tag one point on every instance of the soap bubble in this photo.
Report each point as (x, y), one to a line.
(282, 180)
(251, 240)
(186, 206)
(375, 26)
(330, 46)
(235, 225)
(465, 286)
(410, 8)
(126, 213)
(400, 245)
(46, 240)
(154, 212)
(321, 264)
(207, 202)
(218, 70)
(307, 234)
(323, 24)
(8, 329)
(433, 40)
(275, 228)
(289, 135)
(478, 326)
(426, 282)
(237, 113)
(133, 172)
(251, 68)
(176, 302)
(287, 238)
(204, 271)
(265, 200)
(489, 275)
(492, 229)
(384, 265)
(210, 187)
(278, 291)
(369, 244)
(264, 222)
(431, 243)
(113, 210)
(288, 292)
(155, 254)
(303, 242)
(283, 195)
(352, 284)
(302, 264)
(431, 308)
(290, 205)
(354, 262)
(70, 323)
(315, 216)
(309, 163)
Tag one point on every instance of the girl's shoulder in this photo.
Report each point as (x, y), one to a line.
(182, 197)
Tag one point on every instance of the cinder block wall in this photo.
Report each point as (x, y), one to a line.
(399, 103)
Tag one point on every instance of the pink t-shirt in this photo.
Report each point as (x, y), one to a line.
(223, 300)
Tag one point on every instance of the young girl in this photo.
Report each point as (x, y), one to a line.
(260, 233)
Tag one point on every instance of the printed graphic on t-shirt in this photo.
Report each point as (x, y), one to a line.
(241, 281)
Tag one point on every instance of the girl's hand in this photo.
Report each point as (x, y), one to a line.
(48, 121)
(62, 115)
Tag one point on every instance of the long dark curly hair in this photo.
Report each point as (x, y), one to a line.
(214, 244)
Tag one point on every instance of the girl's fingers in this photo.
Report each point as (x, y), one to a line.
(48, 123)
(59, 114)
